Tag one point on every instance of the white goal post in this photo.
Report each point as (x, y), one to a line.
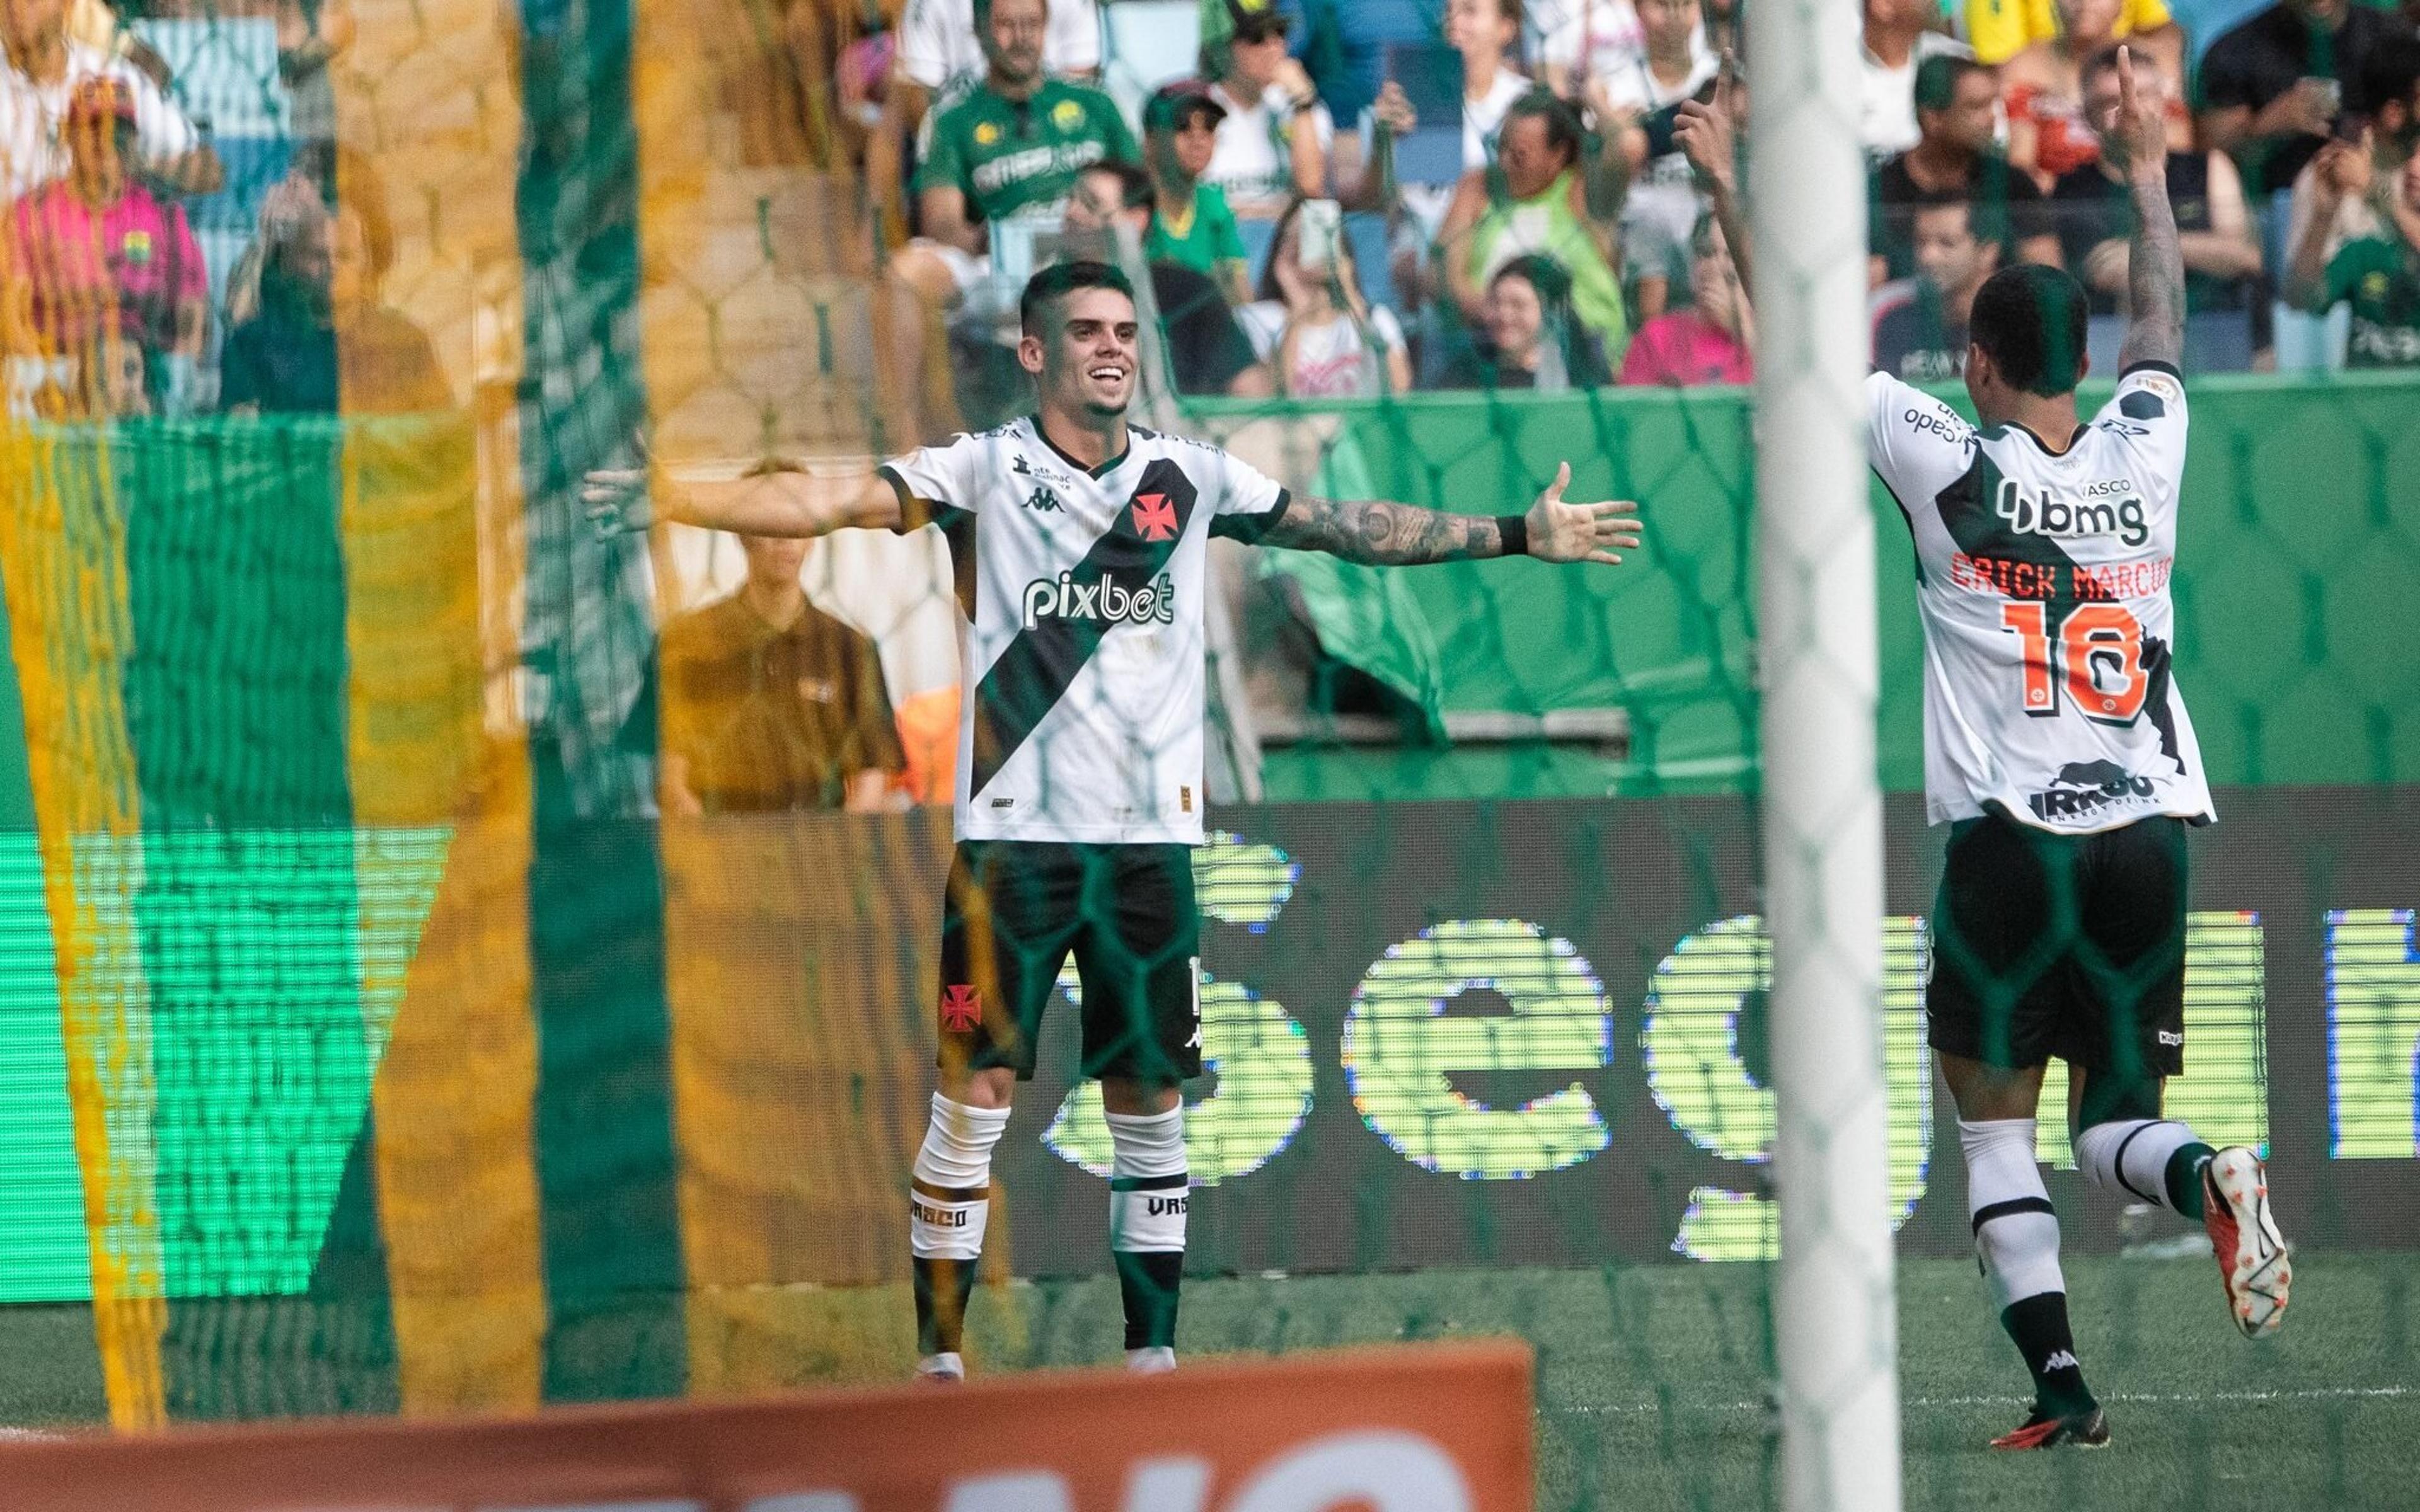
(1836, 1333)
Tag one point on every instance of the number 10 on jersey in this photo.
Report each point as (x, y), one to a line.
(2097, 650)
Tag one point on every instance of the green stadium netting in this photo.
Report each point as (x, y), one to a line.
(367, 1044)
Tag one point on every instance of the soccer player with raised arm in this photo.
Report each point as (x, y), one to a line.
(1080, 543)
(2058, 749)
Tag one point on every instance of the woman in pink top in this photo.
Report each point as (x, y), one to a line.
(98, 264)
(1706, 343)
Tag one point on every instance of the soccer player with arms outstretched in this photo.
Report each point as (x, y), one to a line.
(2057, 747)
(1081, 544)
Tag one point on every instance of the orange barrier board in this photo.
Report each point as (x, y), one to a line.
(1440, 1427)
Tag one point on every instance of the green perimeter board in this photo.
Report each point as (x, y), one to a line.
(2299, 538)
(42, 1247)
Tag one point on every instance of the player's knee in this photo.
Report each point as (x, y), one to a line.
(993, 1086)
(1137, 1097)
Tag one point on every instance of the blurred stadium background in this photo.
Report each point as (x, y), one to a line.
(379, 1033)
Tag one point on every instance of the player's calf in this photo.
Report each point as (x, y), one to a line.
(949, 1207)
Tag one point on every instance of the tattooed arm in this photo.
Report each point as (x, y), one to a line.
(2155, 273)
(1392, 534)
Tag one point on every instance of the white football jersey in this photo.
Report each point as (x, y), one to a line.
(2042, 580)
(1081, 659)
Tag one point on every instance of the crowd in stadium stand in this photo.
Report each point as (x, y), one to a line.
(1375, 196)
(1332, 198)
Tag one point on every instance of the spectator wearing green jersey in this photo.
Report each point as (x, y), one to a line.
(1012, 146)
(1190, 223)
(2378, 275)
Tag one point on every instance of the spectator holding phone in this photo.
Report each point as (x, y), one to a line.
(1325, 340)
(2043, 89)
(2378, 275)
(1638, 102)
(2384, 114)
(2273, 87)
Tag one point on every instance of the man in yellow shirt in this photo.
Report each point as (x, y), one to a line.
(1999, 30)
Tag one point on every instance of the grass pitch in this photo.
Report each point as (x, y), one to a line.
(1651, 1381)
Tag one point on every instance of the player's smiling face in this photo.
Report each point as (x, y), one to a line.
(1087, 359)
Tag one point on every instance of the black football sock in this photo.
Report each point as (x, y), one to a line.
(2038, 1325)
(2183, 1177)
(1147, 1284)
(943, 1286)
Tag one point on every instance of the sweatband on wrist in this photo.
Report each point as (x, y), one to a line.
(1514, 529)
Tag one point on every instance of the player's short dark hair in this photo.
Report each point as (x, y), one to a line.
(1937, 79)
(1563, 130)
(2030, 320)
(1044, 289)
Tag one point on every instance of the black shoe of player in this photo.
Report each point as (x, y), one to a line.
(2047, 1429)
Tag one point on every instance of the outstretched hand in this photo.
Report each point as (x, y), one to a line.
(1560, 530)
(614, 500)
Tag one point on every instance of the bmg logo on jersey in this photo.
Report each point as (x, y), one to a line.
(2093, 514)
(1064, 598)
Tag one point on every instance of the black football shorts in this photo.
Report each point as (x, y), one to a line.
(2071, 946)
(1017, 909)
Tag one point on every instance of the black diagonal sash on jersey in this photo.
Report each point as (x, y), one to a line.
(1969, 513)
(1029, 678)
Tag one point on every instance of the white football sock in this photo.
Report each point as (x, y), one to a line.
(951, 1205)
(2131, 1155)
(2016, 1230)
(1148, 1195)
